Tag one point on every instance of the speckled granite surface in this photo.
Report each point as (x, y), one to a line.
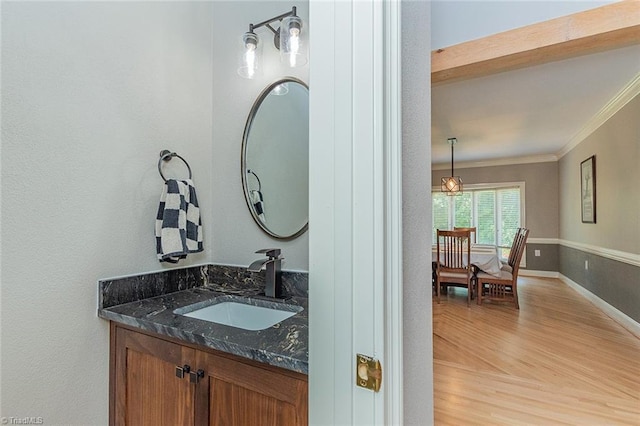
(148, 302)
(233, 279)
(117, 291)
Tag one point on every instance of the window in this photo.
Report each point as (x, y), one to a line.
(496, 210)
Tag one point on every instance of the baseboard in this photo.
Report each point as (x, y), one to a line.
(621, 318)
(541, 274)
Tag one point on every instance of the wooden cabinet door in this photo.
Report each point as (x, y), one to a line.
(234, 393)
(145, 388)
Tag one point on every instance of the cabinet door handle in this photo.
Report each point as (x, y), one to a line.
(181, 371)
(195, 376)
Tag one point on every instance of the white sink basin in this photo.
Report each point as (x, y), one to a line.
(241, 315)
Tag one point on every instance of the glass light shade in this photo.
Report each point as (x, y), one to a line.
(452, 185)
(250, 56)
(293, 42)
(281, 89)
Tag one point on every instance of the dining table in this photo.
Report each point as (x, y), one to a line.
(483, 256)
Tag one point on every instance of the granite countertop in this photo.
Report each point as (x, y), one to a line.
(283, 345)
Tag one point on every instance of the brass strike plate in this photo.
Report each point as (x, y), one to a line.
(368, 372)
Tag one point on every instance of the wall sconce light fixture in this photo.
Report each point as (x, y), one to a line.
(289, 39)
(452, 185)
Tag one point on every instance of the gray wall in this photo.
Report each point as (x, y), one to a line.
(617, 283)
(548, 259)
(541, 191)
(541, 203)
(616, 145)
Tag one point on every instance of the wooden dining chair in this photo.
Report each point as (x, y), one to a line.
(453, 265)
(517, 239)
(472, 230)
(504, 287)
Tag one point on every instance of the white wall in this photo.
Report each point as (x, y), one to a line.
(236, 236)
(454, 22)
(91, 92)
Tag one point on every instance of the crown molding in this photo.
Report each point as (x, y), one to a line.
(630, 91)
(497, 162)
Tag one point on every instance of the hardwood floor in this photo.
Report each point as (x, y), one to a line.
(558, 360)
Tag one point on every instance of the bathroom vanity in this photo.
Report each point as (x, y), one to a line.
(162, 381)
(198, 345)
(169, 368)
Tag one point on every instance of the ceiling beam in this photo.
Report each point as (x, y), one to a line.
(595, 30)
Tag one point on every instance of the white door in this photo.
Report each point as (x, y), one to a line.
(355, 210)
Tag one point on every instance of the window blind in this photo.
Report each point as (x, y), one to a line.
(495, 212)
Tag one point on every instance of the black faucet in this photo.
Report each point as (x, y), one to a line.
(273, 272)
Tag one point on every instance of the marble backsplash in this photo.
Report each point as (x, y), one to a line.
(224, 278)
(237, 280)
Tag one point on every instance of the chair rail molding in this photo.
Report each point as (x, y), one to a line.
(543, 241)
(620, 256)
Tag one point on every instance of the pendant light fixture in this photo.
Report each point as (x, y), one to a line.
(251, 55)
(451, 185)
(290, 39)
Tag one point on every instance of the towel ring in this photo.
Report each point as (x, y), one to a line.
(257, 178)
(166, 155)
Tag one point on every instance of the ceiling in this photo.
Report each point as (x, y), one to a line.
(531, 112)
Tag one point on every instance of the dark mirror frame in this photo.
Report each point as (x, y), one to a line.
(243, 161)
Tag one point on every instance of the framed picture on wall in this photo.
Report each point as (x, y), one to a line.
(588, 189)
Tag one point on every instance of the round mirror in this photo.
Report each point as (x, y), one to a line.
(275, 159)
